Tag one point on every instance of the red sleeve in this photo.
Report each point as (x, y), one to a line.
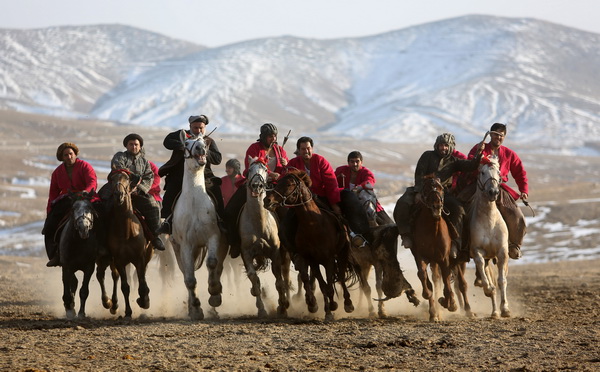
(518, 172)
(54, 188)
(329, 181)
(89, 176)
(366, 177)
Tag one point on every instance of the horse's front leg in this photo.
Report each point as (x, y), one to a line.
(365, 288)
(280, 283)
(125, 289)
(326, 289)
(309, 294)
(186, 263)
(448, 301)
(502, 284)
(214, 264)
(463, 287)
(84, 291)
(68, 278)
(114, 273)
(480, 265)
(423, 277)
(143, 300)
(342, 266)
(255, 290)
(100, 274)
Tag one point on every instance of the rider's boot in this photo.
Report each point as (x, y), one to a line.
(52, 251)
(454, 251)
(514, 251)
(358, 240)
(165, 227)
(221, 224)
(54, 261)
(158, 244)
(406, 241)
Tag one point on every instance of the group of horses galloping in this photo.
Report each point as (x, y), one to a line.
(316, 242)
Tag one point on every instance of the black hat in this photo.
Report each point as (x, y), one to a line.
(133, 136)
(200, 118)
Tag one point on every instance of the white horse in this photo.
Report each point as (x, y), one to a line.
(260, 239)
(489, 234)
(196, 235)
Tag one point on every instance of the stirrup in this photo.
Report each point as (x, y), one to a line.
(158, 244)
(54, 261)
(165, 228)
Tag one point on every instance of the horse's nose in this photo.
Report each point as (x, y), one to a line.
(494, 193)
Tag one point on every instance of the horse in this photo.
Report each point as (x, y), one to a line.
(126, 243)
(320, 240)
(489, 234)
(260, 239)
(381, 253)
(431, 247)
(196, 235)
(80, 246)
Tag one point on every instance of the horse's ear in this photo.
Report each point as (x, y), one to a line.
(251, 159)
(182, 136)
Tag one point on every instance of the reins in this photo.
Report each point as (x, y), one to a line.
(297, 190)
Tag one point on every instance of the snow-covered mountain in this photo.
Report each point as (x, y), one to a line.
(458, 75)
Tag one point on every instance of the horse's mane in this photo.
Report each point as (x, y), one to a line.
(493, 160)
(302, 175)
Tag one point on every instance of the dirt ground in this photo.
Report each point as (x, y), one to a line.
(555, 326)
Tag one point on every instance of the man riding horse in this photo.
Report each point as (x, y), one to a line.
(172, 170)
(443, 163)
(509, 163)
(356, 177)
(72, 175)
(133, 161)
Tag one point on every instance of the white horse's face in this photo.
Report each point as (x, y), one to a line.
(83, 217)
(489, 179)
(257, 176)
(196, 149)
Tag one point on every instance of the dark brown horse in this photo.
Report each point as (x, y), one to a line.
(126, 243)
(320, 239)
(432, 242)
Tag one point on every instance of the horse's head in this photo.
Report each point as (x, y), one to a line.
(488, 180)
(432, 195)
(195, 149)
(368, 200)
(121, 184)
(83, 213)
(291, 190)
(257, 176)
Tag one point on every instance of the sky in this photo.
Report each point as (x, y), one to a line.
(215, 23)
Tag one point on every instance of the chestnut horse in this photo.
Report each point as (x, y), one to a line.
(126, 243)
(431, 247)
(320, 239)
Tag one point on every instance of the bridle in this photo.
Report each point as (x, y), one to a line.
(295, 194)
(481, 185)
(436, 194)
(257, 181)
(188, 153)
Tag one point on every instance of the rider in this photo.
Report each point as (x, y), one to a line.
(325, 187)
(133, 160)
(265, 147)
(173, 170)
(229, 182)
(356, 177)
(443, 163)
(72, 175)
(509, 163)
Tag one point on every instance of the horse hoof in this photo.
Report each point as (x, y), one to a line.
(434, 318)
(282, 312)
(478, 282)
(215, 300)
(113, 311)
(505, 314)
(313, 308)
(329, 317)
(196, 314)
(262, 313)
(144, 303)
(70, 314)
(494, 315)
(107, 303)
(349, 308)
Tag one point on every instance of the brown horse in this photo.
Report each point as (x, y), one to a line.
(320, 239)
(431, 247)
(126, 243)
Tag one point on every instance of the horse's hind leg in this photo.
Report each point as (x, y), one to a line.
(327, 289)
(69, 278)
(309, 294)
(341, 274)
(143, 300)
(366, 289)
(434, 312)
(125, 289)
(462, 285)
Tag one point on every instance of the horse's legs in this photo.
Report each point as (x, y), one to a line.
(125, 289)
(143, 300)
(448, 300)
(115, 277)
(326, 288)
(434, 312)
(306, 279)
(489, 272)
(422, 274)
(366, 288)
(379, 288)
(68, 278)
(280, 283)
(342, 266)
(84, 291)
(255, 290)
(502, 284)
(217, 250)
(285, 270)
(463, 287)
(186, 264)
(481, 265)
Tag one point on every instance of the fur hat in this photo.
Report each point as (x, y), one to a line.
(64, 146)
(235, 164)
(447, 138)
(133, 136)
(200, 118)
